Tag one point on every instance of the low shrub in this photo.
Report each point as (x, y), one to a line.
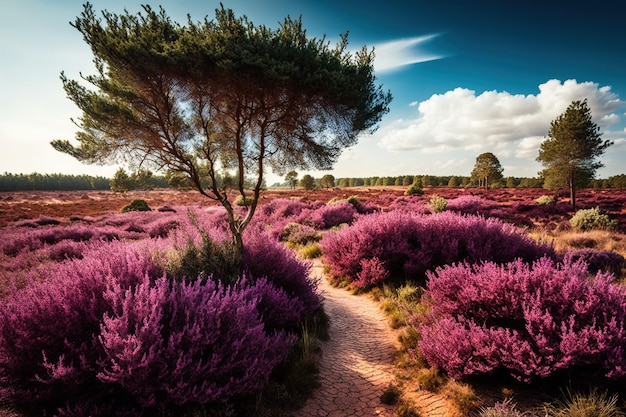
(112, 335)
(243, 201)
(599, 260)
(299, 234)
(414, 189)
(506, 408)
(529, 321)
(390, 395)
(136, 205)
(471, 204)
(593, 404)
(544, 200)
(403, 245)
(430, 379)
(311, 251)
(591, 219)
(437, 204)
(331, 215)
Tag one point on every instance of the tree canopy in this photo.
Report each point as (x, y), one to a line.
(221, 94)
(570, 152)
(487, 169)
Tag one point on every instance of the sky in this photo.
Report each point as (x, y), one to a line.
(467, 77)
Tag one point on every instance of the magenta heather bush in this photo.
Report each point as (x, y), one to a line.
(266, 258)
(471, 204)
(529, 321)
(108, 335)
(598, 260)
(175, 343)
(331, 215)
(48, 330)
(402, 245)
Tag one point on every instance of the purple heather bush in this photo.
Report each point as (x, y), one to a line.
(530, 321)
(403, 245)
(174, 343)
(49, 329)
(108, 334)
(471, 204)
(267, 258)
(331, 215)
(598, 260)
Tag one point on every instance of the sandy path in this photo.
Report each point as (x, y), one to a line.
(356, 364)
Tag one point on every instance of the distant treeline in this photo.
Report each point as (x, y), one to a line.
(616, 181)
(63, 182)
(53, 182)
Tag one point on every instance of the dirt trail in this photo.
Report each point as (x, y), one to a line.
(357, 362)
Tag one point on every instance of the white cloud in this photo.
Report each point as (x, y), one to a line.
(495, 121)
(395, 54)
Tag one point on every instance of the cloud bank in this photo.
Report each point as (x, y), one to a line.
(399, 53)
(512, 125)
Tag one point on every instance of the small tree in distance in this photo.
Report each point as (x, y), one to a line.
(327, 181)
(307, 182)
(292, 179)
(219, 95)
(487, 169)
(570, 152)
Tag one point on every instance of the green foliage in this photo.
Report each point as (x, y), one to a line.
(120, 183)
(292, 179)
(430, 379)
(209, 258)
(592, 404)
(167, 96)
(437, 204)
(242, 201)
(327, 181)
(49, 182)
(591, 219)
(299, 234)
(136, 205)
(487, 169)
(414, 189)
(311, 251)
(307, 182)
(570, 153)
(544, 200)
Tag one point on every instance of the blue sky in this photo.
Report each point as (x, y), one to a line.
(467, 77)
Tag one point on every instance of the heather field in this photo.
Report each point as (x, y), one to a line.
(142, 313)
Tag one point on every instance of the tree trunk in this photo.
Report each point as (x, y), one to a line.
(572, 191)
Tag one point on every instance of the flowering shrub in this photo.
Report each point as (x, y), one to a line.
(405, 245)
(598, 260)
(112, 335)
(591, 219)
(170, 343)
(18, 241)
(331, 215)
(530, 321)
(49, 329)
(268, 258)
(471, 204)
